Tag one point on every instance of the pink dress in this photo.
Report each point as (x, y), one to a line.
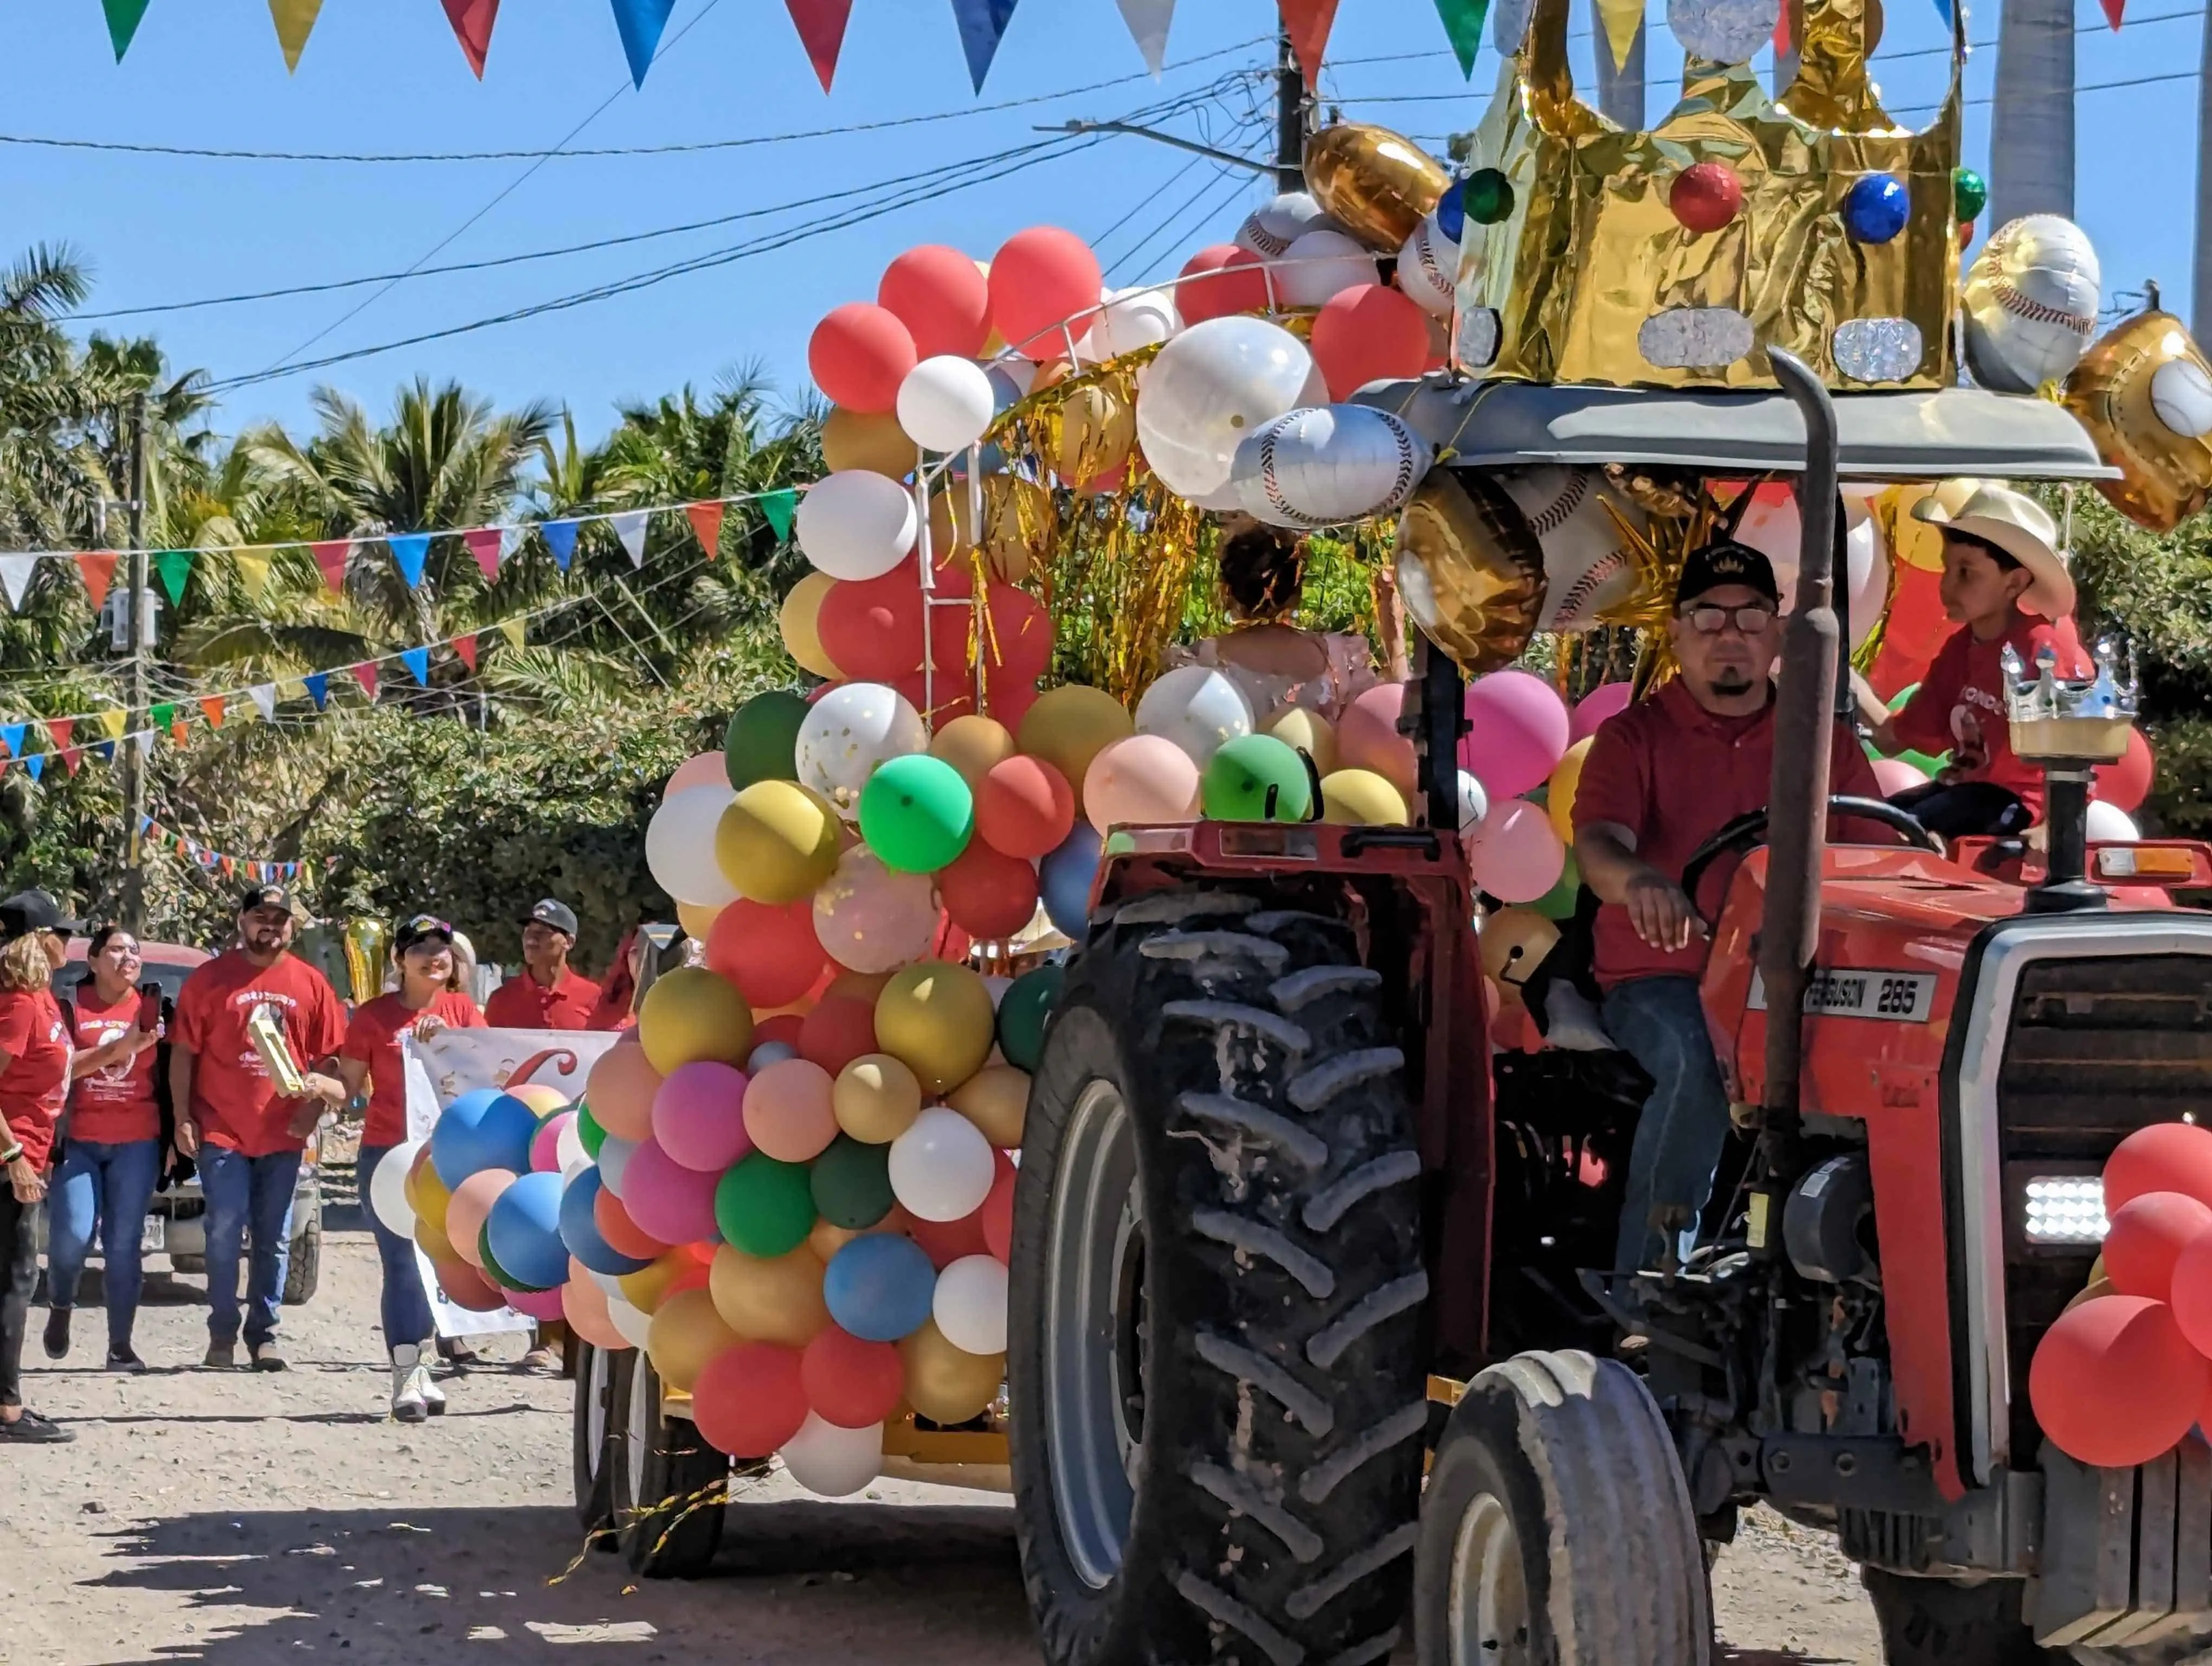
(1337, 667)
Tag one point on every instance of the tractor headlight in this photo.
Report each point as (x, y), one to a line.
(2065, 1209)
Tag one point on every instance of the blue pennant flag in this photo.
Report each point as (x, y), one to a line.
(36, 763)
(560, 540)
(145, 823)
(982, 26)
(417, 660)
(107, 750)
(411, 550)
(640, 22)
(13, 734)
(318, 686)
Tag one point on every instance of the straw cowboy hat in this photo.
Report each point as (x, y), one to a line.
(2019, 526)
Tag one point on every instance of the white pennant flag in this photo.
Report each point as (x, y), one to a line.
(15, 573)
(510, 540)
(1148, 22)
(629, 527)
(145, 740)
(265, 699)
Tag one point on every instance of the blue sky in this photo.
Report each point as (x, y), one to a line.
(383, 75)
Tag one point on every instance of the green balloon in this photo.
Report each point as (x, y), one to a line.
(1930, 767)
(763, 1206)
(1022, 1009)
(1969, 195)
(589, 1131)
(1487, 197)
(1897, 700)
(1256, 778)
(761, 743)
(1559, 903)
(852, 1183)
(917, 813)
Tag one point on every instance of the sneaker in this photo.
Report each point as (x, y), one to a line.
(221, 1356)
(125, 1359)
(32, 1429)
(434, 1397)
(57, 1330)
(265, 1356)
(407, 1402)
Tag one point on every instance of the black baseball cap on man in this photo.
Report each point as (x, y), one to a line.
(556, 915)
(1725, 562)
(264, 896)
(28, 911)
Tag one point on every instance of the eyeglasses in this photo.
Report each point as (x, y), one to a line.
(1711, 621)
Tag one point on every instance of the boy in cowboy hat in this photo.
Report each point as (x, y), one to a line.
(2004, 583)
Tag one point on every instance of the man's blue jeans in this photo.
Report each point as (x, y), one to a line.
(106, 1187)
(249, 1203)
(1660, 1023)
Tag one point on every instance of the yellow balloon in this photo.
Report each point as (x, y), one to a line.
(541, 1097)
(935, 1017)
(944, 1384)
(776, 1300)
(429, 1197)
(972, 746)
(690, 1014)
(1309, 732)
(876, 1099)
(644, 1288)
(434, 1243)
(777, 841)
(685, 1334)
(801, 607)
(1360, 798)
(1559, 802)
(859, 439)
(697, 920)
(1513, 943)
(996, 1099)
(1070, 725)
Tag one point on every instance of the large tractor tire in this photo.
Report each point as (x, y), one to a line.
(594, 1452)
(670, 1525)
(1557, 1529)
(1218, 1299)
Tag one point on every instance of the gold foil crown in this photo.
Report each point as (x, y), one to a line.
(1677, 257)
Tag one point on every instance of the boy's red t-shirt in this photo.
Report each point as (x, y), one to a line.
(1960, 707)
(233, 1101)
(35, 1084)
(115, 1105)
(373, 1039)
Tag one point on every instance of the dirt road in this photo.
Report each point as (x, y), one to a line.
(239, 1519)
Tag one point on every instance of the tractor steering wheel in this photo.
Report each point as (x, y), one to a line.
(1750, 829)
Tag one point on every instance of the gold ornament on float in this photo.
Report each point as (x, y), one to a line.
(1019, 521)
(2144, 392)
(364, 940)
(1378, 184)
(1470, 570)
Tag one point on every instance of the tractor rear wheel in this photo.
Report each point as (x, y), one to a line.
(1217, 1298)
(669, 1487)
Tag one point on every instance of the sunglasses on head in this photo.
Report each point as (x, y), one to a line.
(425, 925)
(1711, 621)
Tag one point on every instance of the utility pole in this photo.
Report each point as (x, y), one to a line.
(1289, 117)
(133, 760)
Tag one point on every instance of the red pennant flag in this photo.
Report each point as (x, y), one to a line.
(60, 728)
(69, 755)
(466, 647)
(472, 20)
(229, 866)
(1308, 23)
(98, 570)
(707, 520)
(483, 544)
(821, 26)
(213, 707)
(2112, 11)
(364, 674)
(330, 556)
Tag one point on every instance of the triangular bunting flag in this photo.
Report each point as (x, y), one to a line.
(1462, 20)
(98, 567)
(983, 25)
(411, 550)
(330, 556)
(777, 508)
(264, 696)
(472, 20)
(418, 661)
(175, 568)
(15, 575)
(145, 740)
(319, 687)
(561, 538)
(11, 734)
(214, 709)
(1148, 22)
(821, 26)
(640, 23)
(106, 750)
(69, 755)
(465, 646)
(60, 728)
(629, 527)
(1308, 23)
(295, 22)
(230, 865)
(180, 731)
(36, 763)
(123, 20)
(707, 520)
(511, 538)
(512, 631)
(483, 544)
(163, 714)
(2113, 11)
(253, 569)
(364, 674)
(1622, 19)
(113, 722)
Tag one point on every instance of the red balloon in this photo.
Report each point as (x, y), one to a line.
(1040, 279)
(749, 1400)
(838, 1030)
(1367, 333)
(943, 298)
(1224, 278)
(2166, 1156)
(2114, 1384)
(987, 894)
(849, 1382)
(468, 1289)
(998, 1210)
(872, 628)
(1706, 196)
(859, 356)
(1020, 640)
(2192, 1293)
(1009, 701)
(624, 1236)
(949, 1241)
(2147, 1238)
(769, 953)
(952, 694)
(1024, 807)
(2126, 784)
(778, 1027)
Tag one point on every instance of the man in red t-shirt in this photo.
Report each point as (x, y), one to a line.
(2005, 585)
(247, 1137)
(1659, 779)
(547, 996)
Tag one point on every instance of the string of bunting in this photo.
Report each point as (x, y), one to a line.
(221, 862)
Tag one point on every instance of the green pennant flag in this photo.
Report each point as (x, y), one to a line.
(175, 567)
(778, 508)
(1462, 20)
(164, 715)
(123, 18)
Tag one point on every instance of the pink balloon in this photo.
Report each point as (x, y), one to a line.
(1140, 781)
(788, 1111)
(707, 769)
(583, 1305)
(1605, 700)
(470, 1208)
(1518, 735)
(699, 1116)
(1895, 775)
(544, 1305)
(1515, 855)
(668, 1201)
(545, 1144)
(1367, 738)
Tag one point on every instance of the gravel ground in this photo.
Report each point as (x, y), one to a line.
(239, 1519)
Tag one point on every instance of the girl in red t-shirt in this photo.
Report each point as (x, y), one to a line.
(429, 999)
(34, 1061)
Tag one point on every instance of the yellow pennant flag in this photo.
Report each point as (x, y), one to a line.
(115, 722)
(253, 569)
(295, 22)
(512, 631)
(1622, 19)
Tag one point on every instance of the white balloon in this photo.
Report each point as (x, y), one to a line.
(1323, 263)
(1210, 387)
(945, 402)
(2110, 825)
(832, 1462)
(1775, 531)
(609, 1282)
(849, 731)
(941, 1167)
(632, 1322)
(1428, 268)
(1327, 465)
(1196, 707)
(1278, 222)
(869, 919)
(679, 846)
(2031, 303)
(614, 1162)
(855, 524)
(387, 1189)
(1867, 562)
(570, 1170)
(1473, 803)
(970, 1304)
(1019, 370)
(1135, 318)
(569, 1147)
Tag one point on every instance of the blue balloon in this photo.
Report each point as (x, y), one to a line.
(1451, 211)
(1876, 207)
(580, 1229)
(879, 1287)
(524, 1229)
(1064, 878)
(482, 1129)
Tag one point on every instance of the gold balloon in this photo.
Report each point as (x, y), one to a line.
(696, 919)
(876, 1099)
(1089, 434)
(935, 1017)
(430, 1198)
(859, 439)
(685, 1334)
(996, 1099)
(434, 1243)
(1910, 540)
(776, 1300)
(1309, 732)
(1360, 798)
(1070, 725)
(944, 1384)
(644, 1288)
(974, 746)
(2123, 392)
(690, 1014)
(1513, 943)
(1019, 520)
(364, 940)
(776, 843)
(802, 639)
(1379, 185)
(1470, 570)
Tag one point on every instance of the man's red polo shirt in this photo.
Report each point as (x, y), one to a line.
(523, 1003)
(1674, 775)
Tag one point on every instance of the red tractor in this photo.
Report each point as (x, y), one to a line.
(1318, 1351)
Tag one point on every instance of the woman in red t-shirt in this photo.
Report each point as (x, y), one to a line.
(111, 1159)
(429, 999)
(35, 1064)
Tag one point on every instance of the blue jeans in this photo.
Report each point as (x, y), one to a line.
(1660, 1023)
(106, 1187)
(406, 1305)
(249, 1203)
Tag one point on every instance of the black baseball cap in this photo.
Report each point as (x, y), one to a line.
(264, 896)
(28, 911)
(559, 915)
(1725, 562)
(417, 926)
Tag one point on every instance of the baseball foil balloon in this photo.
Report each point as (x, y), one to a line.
(2030, 303)
(1328, 465)
(1470, 570)
(1378, 184)
(2144, 392)
(1583, 526)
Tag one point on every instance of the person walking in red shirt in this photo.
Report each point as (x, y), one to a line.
(548, 995)
(429, 999)
(246, 1138)
(35, 1063)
